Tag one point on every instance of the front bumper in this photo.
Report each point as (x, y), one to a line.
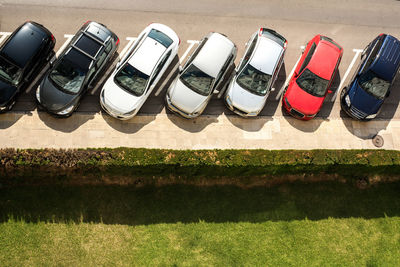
(176, 110)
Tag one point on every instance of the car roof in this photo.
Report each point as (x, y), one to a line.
(266, 55)
(324, 59)
(147, 55)
(213, 54)
(88, 44)
(388, 58)
(24, 44)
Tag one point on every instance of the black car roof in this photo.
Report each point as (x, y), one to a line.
(88, 45)
(24, 44)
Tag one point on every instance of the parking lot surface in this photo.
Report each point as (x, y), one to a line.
(353, 25)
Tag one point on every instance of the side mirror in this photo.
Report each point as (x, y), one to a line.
(272, 89)
(388, 93)
(330, 91)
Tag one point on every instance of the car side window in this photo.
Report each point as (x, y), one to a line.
(249, 52)
(160, 67)
(308, 57)
(101, 59)
(372, 56)
(108, 48)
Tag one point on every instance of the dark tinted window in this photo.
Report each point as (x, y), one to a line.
(273, 35)
(373, 54)
(254, 80)
(67, 76)
(312, 84)
(197, 80)
(374, 85)
(88, 45)
(308, 57)
(9, 72)
(160, 37)
(132, 80)
(97, 32)
(331, 41)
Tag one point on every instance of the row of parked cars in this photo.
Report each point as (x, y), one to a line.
(209, 70)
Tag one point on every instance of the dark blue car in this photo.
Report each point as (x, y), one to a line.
(370, 86)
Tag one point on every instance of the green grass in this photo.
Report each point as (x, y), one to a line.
(326, 223)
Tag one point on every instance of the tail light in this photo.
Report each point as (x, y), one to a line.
(52, 37)
(86, 22)
(117, 43)
(285, 45)
(179, 41)
(260, 31)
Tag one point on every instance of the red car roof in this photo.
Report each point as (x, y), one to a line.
(324, 60)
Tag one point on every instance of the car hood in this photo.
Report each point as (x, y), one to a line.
(244, 100)
(7, 91)
(362, 100)
(303, 101)
(53, 98)
(184, 98)
(118, 99)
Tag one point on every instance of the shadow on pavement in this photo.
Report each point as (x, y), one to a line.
(10, 118)
(130, 205)
(66, 125)
(323, 115)
(128, 126)
(368, 129)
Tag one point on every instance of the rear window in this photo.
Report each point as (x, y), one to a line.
(160, 37)
(331, 41)
(273, 35)
(88, 45)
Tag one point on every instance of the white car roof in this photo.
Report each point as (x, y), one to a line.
(213, 54)
(147, 55)
(266, 55)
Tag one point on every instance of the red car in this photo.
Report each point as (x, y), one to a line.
(312, 78)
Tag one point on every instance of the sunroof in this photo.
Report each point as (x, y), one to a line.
(88, 45)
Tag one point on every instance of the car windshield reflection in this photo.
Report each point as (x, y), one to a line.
(374, 85)
(68, 77)
(132, 80)
(197, 80)
(254, 80)
(312, 83)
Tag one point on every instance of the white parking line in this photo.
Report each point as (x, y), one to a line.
(357, 51)
(4, 35)
(69, 38)
(288, 77)
(130, 43)
(105, 76)
(166, 80)
(192, 43)
(46, 68)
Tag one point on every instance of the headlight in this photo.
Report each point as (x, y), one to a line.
(38, 94)
(66, 111)
(228, 100)
(347, 100)
(371, 116)
(3, 108)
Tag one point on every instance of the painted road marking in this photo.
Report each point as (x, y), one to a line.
(166, 80)
(69, 38)
(126, 48)
(4, 35)
(357, 52)
(46, 68)
(289, 76)
(192, 43)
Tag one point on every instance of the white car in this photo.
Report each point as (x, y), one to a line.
(139, 71)
(256, 73)
(201, 76)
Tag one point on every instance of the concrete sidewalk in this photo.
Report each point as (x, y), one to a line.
(40, 130)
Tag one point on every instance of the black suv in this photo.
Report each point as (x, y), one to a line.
(75, 71)
(22, 57)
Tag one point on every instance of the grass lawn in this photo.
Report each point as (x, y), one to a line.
(326, 223)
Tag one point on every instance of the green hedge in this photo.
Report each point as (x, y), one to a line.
(132, 162)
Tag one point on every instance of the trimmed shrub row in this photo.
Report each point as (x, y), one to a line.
(187, 164)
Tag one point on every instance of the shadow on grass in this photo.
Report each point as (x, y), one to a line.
(131, 205)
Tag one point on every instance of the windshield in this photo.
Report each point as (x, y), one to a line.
(9, 72)
(312, 83)
(373, 85)
(197, 80)
(131, 79)
(254, 80)
(68, 77)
